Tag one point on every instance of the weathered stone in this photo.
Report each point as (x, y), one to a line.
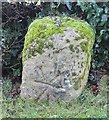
(56, 59)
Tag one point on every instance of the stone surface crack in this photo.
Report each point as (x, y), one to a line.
(44, 83)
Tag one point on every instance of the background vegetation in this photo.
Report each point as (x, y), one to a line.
(15, 21)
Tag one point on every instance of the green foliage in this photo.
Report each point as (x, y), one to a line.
(11, 49)
(14, 27)
(97, 17)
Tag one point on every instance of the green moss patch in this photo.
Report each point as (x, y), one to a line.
(84, 46)
(71, 47)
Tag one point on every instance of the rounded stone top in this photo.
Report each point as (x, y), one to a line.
(40, 30)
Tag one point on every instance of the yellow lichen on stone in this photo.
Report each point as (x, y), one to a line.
(41, 29)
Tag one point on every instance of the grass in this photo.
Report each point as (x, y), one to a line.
(0, 103)
(86, 106)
